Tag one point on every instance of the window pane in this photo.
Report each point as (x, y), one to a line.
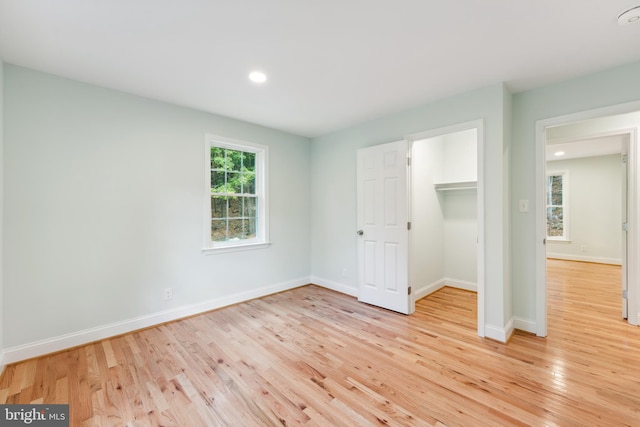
(217, 158)
(234, 183)
(556, 190)
(234, 160)
(249, 183)
(217, 181)
(219, 230)
(250, 228)
(236, 229)
(235, 207)
(218, 207)
(250, 204)
(555, 223)
(249, 162)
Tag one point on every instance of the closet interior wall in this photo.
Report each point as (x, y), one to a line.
(443, 249)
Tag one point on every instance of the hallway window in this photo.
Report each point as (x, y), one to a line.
(557, 206)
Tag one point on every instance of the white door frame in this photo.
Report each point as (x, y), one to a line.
(633, 237)
(624, 167)
(479, 126)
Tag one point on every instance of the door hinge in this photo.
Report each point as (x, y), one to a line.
(544, 241)
(625, 226)
(625, 158)
(625, 294)
(409, 225)
(409, 291)
(408, 161)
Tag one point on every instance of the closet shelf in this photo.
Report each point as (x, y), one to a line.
(460, 185)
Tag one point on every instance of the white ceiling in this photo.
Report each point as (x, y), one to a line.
(330, 63)
(590, 147)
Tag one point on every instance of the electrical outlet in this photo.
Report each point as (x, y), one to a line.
(345, 272)
(168, 294)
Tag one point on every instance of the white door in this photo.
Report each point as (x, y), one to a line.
(383, 235)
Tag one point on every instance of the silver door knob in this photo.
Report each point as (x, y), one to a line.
(360, 233)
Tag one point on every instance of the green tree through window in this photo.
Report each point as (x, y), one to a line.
(557, 206)
(234, 201)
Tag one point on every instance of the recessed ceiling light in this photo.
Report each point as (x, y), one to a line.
(559, 153)
(629, 16)
(258, 77)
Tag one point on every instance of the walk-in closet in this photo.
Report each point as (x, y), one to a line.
(444, 212)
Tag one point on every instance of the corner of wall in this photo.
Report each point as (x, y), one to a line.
(334, 286)
(497, 333)
(525, 325)
(1, 214)
(507, 117)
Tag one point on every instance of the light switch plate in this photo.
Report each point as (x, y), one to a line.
(523, 205)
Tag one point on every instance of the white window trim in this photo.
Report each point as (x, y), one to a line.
(565, 206)
(262, 162)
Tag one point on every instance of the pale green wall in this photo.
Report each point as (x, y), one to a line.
(596, 126)
(460, 235)
(507, 168)
(607, 88)
(595, 208)
(509, 164)
(104, 204)
(333, 188)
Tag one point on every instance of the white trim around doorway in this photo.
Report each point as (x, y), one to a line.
(479, 126)
(633, 209)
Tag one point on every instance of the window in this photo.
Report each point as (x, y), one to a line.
(236, 203)
(557, 206)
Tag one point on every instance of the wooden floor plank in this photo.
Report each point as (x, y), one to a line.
(315, 357)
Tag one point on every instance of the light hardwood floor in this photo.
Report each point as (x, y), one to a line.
(315, 357)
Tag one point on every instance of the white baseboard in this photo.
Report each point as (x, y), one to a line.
(503, 334)
(460, 284)
(62, 342)
(497, 333)
(585, 258)
(2, 363)
(334, 286)
(525, 325)
(419, 293)
(423, 291)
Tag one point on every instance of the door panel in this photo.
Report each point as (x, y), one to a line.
(383, 245)
(390, 202)
(369, 260)
(391, 270)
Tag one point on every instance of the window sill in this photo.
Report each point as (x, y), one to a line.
(558, 240)
(235, 248)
